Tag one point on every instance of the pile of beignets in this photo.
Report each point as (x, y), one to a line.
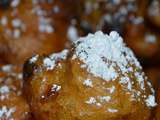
(67, 60)
(99, 78)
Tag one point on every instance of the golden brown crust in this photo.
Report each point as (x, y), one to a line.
(141, 39)
(105, 15)
(43, 99)
(119, 98)
(30, 29)
(59, 87)
(69, 102)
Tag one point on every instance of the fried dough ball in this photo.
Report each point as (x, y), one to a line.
(105, 15)
(31, 27)
(12, 104)
(154, 13)
(98, 79)
(144, 42)
(46, 91)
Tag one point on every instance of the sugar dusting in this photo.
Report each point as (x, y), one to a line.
(111, 89)
(72, 33)
(95, 49)
(150, 38)
(15, 26)
(34, 59)
(7, 112)
(55, 88)
(15, 3)
(112, 110)
(98, 100)
(4, 89)
(91, 100)
(151, 101)
(154, 8)
(50, 62)
(88, 83)
(107, 57)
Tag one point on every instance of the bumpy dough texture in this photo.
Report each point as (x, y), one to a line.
(140, 38)
(74, 85)
(28, 27)
(13, 106)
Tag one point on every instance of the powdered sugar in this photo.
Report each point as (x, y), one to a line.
(6, 68)
(98, 100)
(126, 80)
(62, 55)
(44, 23)
(56, 9)
(72, 33)
(34, 59)
(107, 57)
(16, 33)
(91, 100)
(50, 62)
(55, 88)
(150, 38)
(104, 98)
(6, 112)
(4, 89)
(150, 101)
(88, 83)
(15, 3)
(110, 48)
(111, 89)
(4, 20)
(16, 22)
(112, 110)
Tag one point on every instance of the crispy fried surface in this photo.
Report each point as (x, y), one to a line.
(62, 93)
(69, 101)
(141, 39)
(32, 28)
